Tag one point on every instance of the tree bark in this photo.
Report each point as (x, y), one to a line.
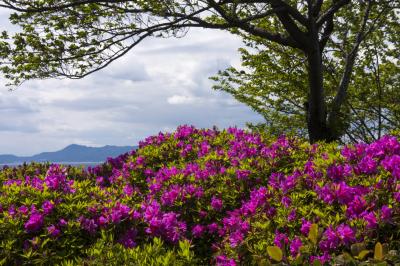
(316, 113)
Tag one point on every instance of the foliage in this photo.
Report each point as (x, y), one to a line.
(200, 197)
(105, 252)
(273, 80)
(76, 38)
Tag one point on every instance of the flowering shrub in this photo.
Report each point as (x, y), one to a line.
(208, 197)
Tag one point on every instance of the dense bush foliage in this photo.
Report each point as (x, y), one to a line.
(208, 197)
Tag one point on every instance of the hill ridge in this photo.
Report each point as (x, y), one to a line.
(71, 153)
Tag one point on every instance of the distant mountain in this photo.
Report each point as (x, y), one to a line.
(70, 154)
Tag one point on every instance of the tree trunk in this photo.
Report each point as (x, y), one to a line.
(316, 113)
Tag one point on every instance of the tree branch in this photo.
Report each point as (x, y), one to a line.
(329, 27)
(350, 61)
(331, 11)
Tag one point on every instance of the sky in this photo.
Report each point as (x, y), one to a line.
(160, 84)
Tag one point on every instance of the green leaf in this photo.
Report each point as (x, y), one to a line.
(317, 263)
(378, 253)
(357, 248)
(319, 213)
(313, 234)
(275, 253)
(363, 254)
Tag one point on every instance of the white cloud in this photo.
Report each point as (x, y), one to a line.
(159, 85)
(181, 99)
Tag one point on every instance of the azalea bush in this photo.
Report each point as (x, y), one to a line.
(208, 197)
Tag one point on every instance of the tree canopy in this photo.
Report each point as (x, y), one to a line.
(273, 81)
(74, 38)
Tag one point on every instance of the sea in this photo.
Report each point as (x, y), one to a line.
(77, 164)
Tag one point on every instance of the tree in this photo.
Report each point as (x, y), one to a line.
(273, 82)
(74, 38)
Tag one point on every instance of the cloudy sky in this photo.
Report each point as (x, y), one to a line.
(159, 85)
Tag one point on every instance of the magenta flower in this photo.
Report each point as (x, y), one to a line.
(392, 164)
(100, 180)
(128, 190)
(56, 179)
(23, 210)
(336, 172)
(323, 258)
(212, 228)
(305, 227)
(295, 246)
(34, 223)
(198, 231)
(216, 203)
(242, 174)
(89, 225)
(330, 240)
(222, 260)
(286, 201)
(346, 234)
(386, 213)
(356, 207)
(53, 231)
(397, 197)
(370, 218)
(119, 212)
(292, 215)
(102, 222)
(325, 193)
(281, 239)
(236, 238)
(344, 193)
(367, 166)
(47, 207)
(169, 197)
(62, 222)
(128, 238)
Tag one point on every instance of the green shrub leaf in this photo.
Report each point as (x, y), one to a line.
(313, 234)
(378, 254)
(275, 253)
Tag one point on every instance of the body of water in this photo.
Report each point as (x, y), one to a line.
(84, 164)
